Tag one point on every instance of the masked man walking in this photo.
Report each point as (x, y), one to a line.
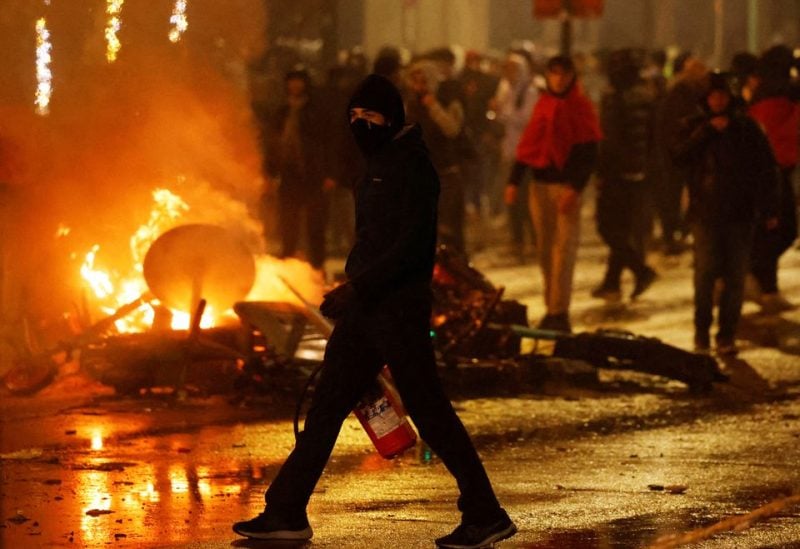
(382, 317)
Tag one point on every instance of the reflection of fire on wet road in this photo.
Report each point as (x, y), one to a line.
(134, 499)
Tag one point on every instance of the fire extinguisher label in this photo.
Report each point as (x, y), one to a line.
(381, 416)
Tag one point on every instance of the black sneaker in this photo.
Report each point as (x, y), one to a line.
(643, 281)
(473, 536)
(269, 527)
(557, 322)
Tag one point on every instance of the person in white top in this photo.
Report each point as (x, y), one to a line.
(512, 104)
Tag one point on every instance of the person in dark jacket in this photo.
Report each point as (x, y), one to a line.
(733, 186)
(298, 154)
(382, 318)
(559, 145)
(626, 116)
(778, 113)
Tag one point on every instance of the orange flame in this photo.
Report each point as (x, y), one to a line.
(113, 291)
(110, 290)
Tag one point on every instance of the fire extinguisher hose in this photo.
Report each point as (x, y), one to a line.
(299, 408)
(326, 328)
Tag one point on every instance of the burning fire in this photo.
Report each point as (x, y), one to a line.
(113, 291)
(168, 209)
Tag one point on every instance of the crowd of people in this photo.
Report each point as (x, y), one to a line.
(677, 155)
(435, 144)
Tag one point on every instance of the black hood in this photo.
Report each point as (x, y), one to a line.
(378, 94)
(718, 81)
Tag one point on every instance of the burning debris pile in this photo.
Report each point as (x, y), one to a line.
(469, 313)
(182, 318)
(118, 125)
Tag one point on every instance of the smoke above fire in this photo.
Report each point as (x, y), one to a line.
(171, 111)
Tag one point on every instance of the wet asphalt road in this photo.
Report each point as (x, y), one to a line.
(619, 463)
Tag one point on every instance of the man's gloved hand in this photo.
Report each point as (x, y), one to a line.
(337, 301)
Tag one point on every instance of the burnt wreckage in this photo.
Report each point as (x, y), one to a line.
(472, 322)
(477, 336)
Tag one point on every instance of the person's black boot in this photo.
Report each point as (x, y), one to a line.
(271, 527)
(473, 536)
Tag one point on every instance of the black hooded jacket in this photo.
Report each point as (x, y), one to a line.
(732, 174)
(396, 204)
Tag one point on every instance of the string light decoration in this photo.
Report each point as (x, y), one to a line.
(113, 24)
(178, 20)
(44, 76)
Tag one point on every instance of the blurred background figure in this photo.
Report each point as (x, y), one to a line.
(559, 145)
(775, 107)
(512, 105)
(626, 115)
(299, 156)
(478, 87)
(680, 101)
(733, 189)
(346, 161)
(389, 64)
(743, 76)
(439, 110)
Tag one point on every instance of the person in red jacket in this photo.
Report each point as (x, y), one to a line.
(559, 145)
(779, 116)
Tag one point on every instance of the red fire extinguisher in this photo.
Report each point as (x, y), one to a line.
(382, 416)
(380, 410)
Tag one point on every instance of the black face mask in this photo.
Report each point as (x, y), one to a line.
(370, 137)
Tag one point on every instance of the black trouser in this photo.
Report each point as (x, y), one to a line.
(620, 222)
(669, 189)
(519, 217)
(769, 245)
(293, 205)
(361, 343)
(451, 209)
(720, 252)
(474, 170)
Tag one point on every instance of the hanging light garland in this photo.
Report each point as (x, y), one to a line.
(113, 24)
(178, 20)
(44, 76)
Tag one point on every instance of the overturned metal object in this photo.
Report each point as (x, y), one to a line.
(198, 261)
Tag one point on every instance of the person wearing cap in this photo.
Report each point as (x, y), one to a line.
(733, 184)
(559, 145)
(382, 315)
